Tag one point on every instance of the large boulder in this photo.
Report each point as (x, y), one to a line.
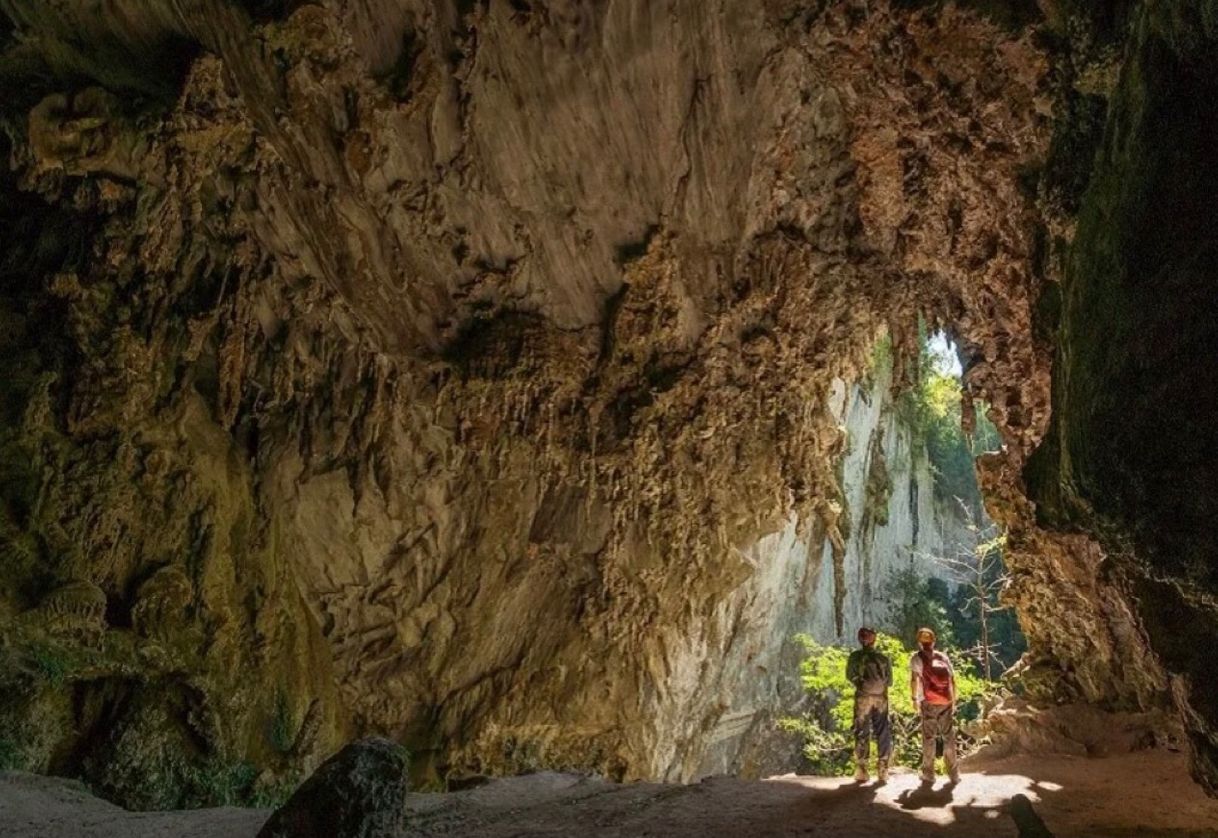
(360, 792)
(1019, 726)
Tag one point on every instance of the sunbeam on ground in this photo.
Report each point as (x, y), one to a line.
(1144, 795)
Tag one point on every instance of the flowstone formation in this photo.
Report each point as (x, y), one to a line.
(427, 368)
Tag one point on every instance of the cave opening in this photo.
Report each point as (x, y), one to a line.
(909, 545)
(954, 583)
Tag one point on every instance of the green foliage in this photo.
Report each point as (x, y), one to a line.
(149, 760)
(916, 600)
(827, 726)
(150, 765)
(174, 781)
(274, 792)
(34, 714)
(10, 755)
(217, 783)
(283, 728)
(949, 452)
(881, 357)
(50, 663)
(933, 412)
(1006, 642)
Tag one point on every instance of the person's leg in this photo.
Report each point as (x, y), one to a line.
(882, 731)
(947, 729)
(929, 730)
(862, 737)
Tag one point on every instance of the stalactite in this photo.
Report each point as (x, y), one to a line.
(373, 382)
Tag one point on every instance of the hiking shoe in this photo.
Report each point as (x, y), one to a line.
(928, 776)
(881, 772)
(860, 774)
(954, 776)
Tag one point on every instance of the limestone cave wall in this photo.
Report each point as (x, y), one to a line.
(430, 368)
(1128, 458)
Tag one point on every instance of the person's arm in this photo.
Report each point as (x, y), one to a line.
(887, 670)
(951, 679)
(915, 680)
(852, 668)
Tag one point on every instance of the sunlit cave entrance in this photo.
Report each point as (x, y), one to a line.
(905, 543)
(914, 527)
(909, 543)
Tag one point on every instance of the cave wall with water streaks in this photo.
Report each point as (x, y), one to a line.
(1129, 456)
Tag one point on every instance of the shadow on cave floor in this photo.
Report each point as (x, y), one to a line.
(1147, 795)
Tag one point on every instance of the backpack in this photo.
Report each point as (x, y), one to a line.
(936, 676)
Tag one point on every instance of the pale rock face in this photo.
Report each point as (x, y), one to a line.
(906, 526)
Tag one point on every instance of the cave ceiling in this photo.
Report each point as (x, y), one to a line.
(431, 363)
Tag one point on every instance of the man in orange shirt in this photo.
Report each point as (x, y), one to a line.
(932, 685)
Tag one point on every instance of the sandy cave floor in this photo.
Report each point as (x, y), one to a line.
(1147, 795)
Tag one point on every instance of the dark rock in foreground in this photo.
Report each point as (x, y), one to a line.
(360, 792)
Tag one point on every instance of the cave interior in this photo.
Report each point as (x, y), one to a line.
(479, 374)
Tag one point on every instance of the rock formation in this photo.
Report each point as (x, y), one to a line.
(437, 369)
(360, 792)
(1126, 458)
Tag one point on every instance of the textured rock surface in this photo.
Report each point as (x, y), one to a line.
(1129, 458)
(360, 792)
(439, 369)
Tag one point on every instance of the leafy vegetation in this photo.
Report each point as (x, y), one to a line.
(173, 781)
(933, 410)
(983, 625)
(145, 762)
(916, 600)
(150, 764)
(938, 404)
(283, 727)
(10, 755)
(827, 727)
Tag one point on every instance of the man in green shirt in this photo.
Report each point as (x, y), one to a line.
(871, 673)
